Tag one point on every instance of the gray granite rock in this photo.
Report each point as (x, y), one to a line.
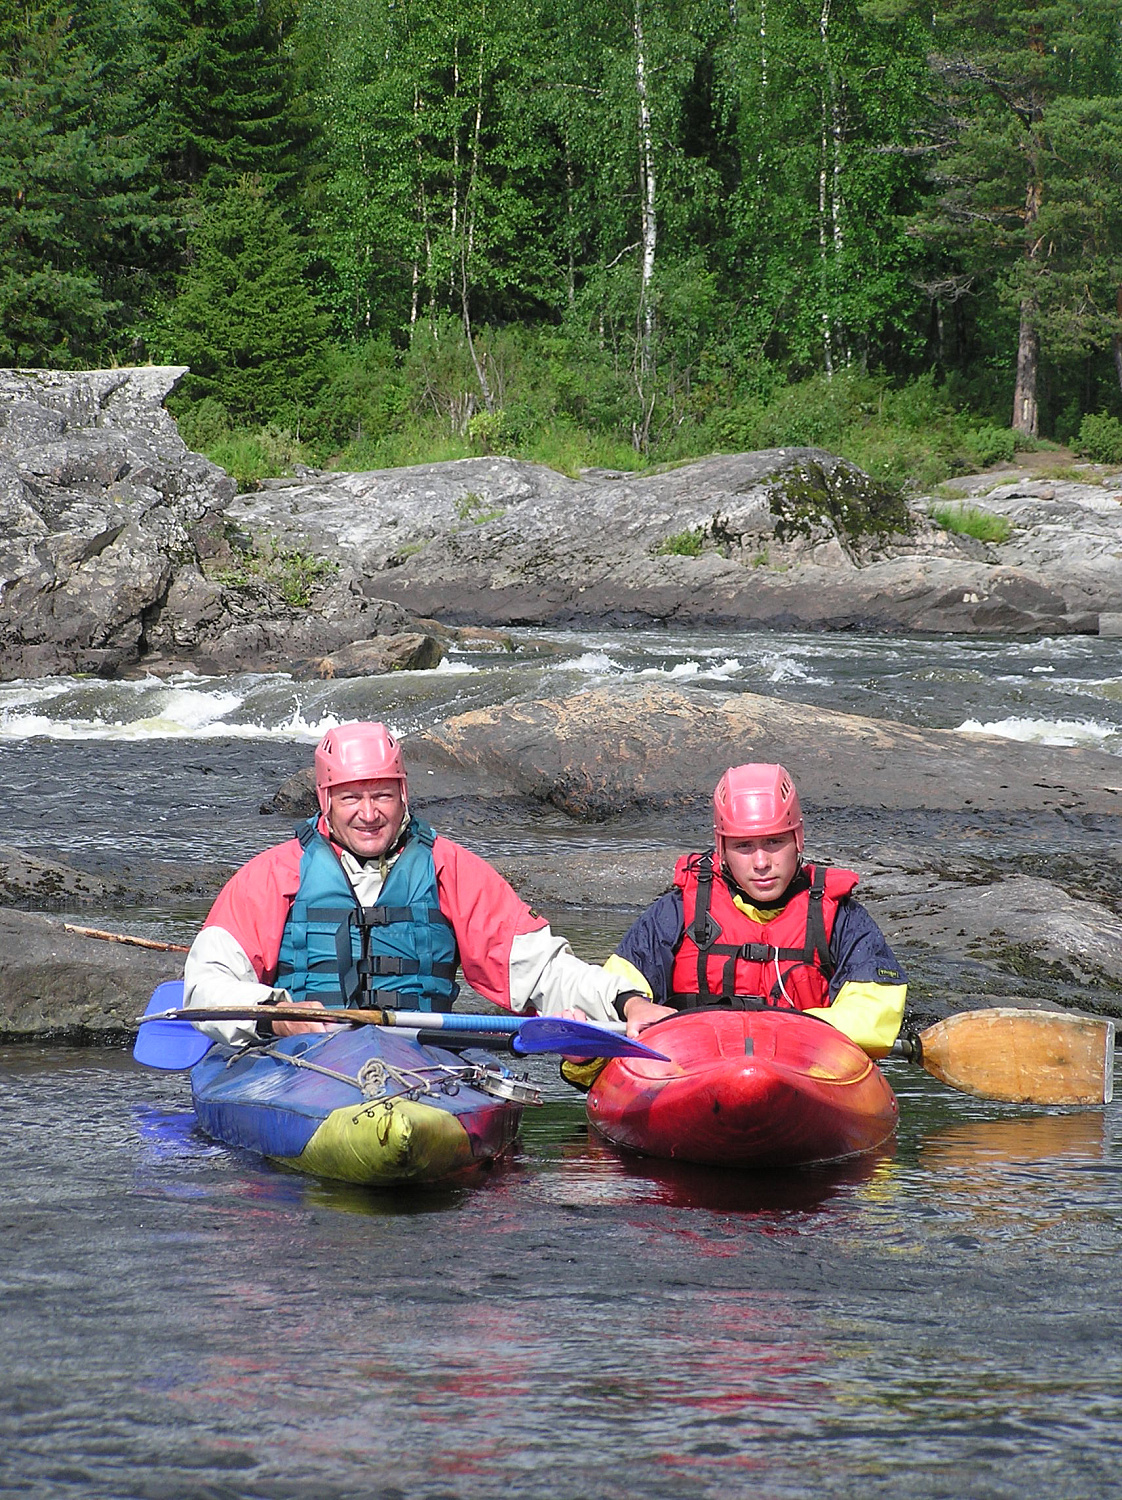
(115, 550)
(58, 983)
(633, 747)
(788, 538)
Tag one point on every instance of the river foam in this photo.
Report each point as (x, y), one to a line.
(1084, 733)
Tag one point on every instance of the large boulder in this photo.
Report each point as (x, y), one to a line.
(98, 498)
(55, 982)
(636, 747)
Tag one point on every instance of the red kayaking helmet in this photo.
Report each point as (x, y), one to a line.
(358, 752)
(753, 801)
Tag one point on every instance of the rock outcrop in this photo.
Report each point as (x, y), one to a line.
(116, 553)
(121, 551)
(788, 538)
(58, 983)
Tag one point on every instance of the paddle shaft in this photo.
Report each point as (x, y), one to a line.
(460, 1022)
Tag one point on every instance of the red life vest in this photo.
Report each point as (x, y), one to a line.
(726, 958)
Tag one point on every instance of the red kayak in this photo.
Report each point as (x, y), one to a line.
(749, 1088)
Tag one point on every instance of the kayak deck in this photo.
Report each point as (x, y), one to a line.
(364, 1105)
(745, 1089)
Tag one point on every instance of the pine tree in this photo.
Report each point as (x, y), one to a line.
(1031, 85)
(226, 94)
(244, 319)
(77, 203)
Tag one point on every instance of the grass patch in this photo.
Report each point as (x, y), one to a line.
(681, 544)
(969, 520)
(474, 508)
(279, 572)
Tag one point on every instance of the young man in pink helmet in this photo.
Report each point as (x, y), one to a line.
(367, 905)
(748, 923)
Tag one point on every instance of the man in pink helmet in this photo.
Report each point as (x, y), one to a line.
(367, 905)
(747, 923)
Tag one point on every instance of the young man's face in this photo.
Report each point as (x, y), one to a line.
(763, 868)
(365, 816)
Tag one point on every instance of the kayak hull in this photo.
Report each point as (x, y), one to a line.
(325, 1123)
(745, 1089)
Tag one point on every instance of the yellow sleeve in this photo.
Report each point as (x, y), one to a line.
(869, 1014)
(627, 971)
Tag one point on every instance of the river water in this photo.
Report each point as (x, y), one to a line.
(184, 1320)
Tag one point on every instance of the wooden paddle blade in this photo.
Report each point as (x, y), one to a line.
(1023, 1056)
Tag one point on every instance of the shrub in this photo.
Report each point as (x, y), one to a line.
(990, 445)
(1100, 439)
(969, 520)
(250, 457)
(294, 576)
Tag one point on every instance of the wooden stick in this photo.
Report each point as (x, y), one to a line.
(121, 937)
(1023, 1056)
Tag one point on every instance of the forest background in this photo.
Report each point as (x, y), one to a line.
(586, 232)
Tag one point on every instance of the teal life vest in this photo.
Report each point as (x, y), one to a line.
(400, 952)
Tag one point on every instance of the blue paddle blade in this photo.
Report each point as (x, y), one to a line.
(170, 1045)
(577, 1039)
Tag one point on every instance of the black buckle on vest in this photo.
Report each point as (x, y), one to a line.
(757, 953)
(380, 963)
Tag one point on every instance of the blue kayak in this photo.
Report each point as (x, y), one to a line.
(367, 1105)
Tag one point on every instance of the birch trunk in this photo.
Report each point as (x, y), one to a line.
(1026, 413)
(825, 214)
(467, 237)
(648, 239)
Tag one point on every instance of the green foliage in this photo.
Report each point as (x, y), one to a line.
(226, 93)
(247, 454)
(250, 456)
(989, 445)
(969, 520)
(244, 319)
(78, 217)
(1100, 439)
(852, 209)
(277, 572)
(471, 506)
(682, 544)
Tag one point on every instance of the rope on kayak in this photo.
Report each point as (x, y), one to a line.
(376, 1077)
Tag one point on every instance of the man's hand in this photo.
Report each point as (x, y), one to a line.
(639, 1012)
(295, 1028)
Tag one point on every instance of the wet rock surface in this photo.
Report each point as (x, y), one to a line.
(600, 753)
(58, 983)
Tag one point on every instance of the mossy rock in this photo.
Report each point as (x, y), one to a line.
(811, 499)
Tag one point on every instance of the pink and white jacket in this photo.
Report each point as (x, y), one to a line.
(508, 953)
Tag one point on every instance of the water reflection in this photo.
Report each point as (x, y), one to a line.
(595, 1172)
(983, 1147)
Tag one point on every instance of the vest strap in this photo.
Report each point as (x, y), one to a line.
(384, 916)
(705, 931)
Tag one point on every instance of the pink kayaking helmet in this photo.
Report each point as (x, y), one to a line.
(358, 752)
(753, 801)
